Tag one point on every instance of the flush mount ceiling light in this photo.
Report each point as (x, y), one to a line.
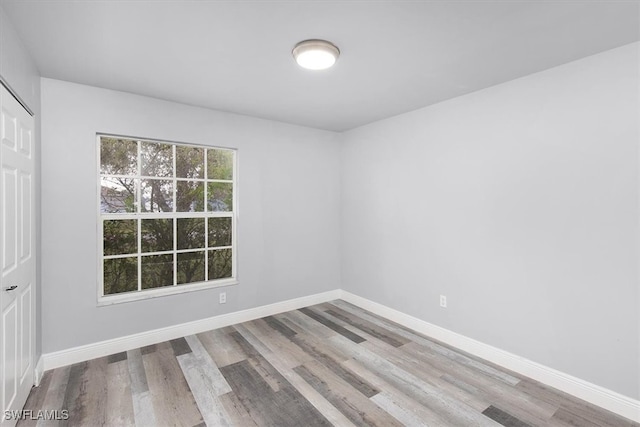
(315, 54)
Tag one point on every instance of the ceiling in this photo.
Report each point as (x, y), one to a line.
(235, 56)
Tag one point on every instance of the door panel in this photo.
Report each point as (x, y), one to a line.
(9, 219)
(9, 129)
(17, 255)
(9, 353)
(26, 135)
(25, 215)
(25, 333)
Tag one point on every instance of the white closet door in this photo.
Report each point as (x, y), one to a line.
(17, 254)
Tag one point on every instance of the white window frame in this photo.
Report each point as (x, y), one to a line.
(143, 294)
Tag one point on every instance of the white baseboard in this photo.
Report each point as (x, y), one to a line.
(600, 396)
(38, 371)
(117, 345)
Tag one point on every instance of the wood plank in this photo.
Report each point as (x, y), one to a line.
(180, 346)
(84, 397)
(36, 398)
(573, 405)
(306, 324)
(453, 411)
(423, 370)
(370, 328)
(399, 397)
(355, 406)
(73, 391)
(509, 398)
(118, 357)
(279, 326)
(238, 415)
(290, 354)
(205, 390)
(285, 407)
(171, 397)
(288, 323)
(397, 410)
(319, 352)
(222, 349)
(119, 398)
(142, 404)
(148, 349)
(207, 365)
(503, 417)
(332, 325)
(428, 373)
(255, 358)
(564, 418)
(56, 393)
(332, 414)
(205, 381)
(456, 355)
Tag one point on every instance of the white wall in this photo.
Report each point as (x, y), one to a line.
(520, 204)
(288, 206)
(19, 71)
(17, 66)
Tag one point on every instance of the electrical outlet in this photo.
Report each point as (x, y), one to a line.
(443, 301)
(223, 297)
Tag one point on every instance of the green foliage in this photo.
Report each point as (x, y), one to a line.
(219, 232)
(118, 156)
(157, 271)
(157, 159)
(117, 195)
(220, 196)
(157, 195)
(157, 235)
(120, 237)
(190, 196)
(120, 275)
(190, 267)
(220, 264)
(219, 164)
(189, 162)
(190, 233)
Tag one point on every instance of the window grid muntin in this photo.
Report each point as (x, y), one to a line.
(139, 215)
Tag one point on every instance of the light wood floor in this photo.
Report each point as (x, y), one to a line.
(330, 364)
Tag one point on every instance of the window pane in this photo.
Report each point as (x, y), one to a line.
(157, 159)
(220, 197)
(189, 162)
(117, 195)
(120, 275)
(120, 237)
(219, 232)
(219, 164)
(174, 197)
(220, 264)
(157, 195)
(157, 271)
(190, 196)
(118, 156)
(157, 235)
(190, 233)
(191, 267)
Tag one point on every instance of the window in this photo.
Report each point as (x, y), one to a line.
(167, 218)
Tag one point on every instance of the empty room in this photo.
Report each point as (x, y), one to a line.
(320, 213)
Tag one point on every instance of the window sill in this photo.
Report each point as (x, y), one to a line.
(161, 292)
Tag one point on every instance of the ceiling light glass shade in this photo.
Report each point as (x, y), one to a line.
(316, 54)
